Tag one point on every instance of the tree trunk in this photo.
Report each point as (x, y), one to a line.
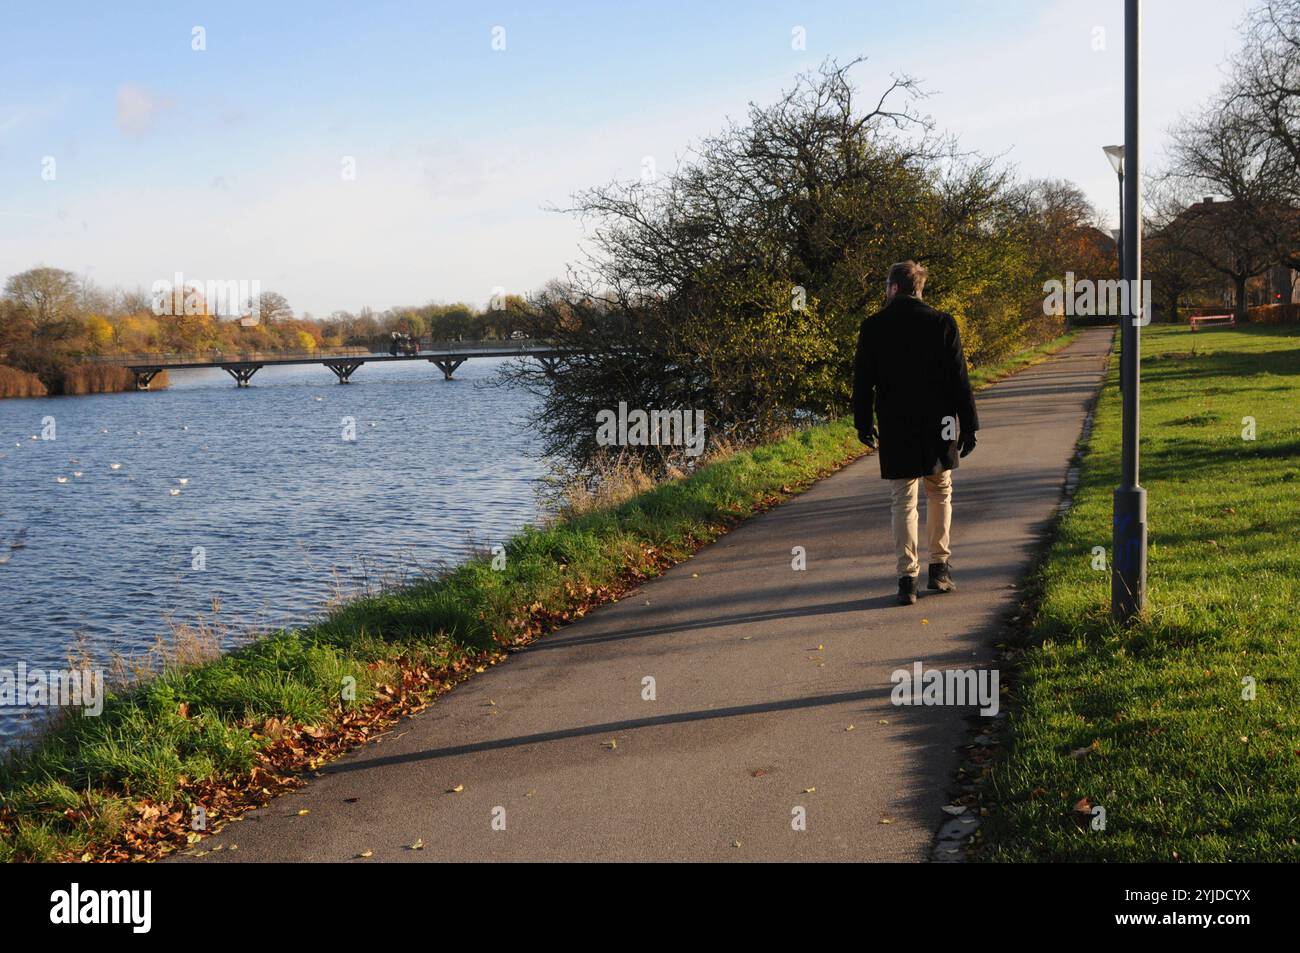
(1243, 315)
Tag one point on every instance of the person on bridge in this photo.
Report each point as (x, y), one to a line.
(910, 374)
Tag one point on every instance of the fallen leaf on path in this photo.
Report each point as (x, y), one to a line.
(456, 790)
(418, 845)
(366, 853)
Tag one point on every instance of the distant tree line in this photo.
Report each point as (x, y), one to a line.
(52, 320)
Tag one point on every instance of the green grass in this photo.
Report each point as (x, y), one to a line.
(991, 373)
(1185, 768)
(76, 787)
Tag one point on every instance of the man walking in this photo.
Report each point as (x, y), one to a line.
(910, 373)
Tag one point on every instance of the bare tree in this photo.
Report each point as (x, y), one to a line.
(273, 307)
(1266, 92)
(1223, 153)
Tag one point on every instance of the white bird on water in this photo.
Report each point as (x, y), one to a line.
(60, 479)
(76, 473)
(115, 466)
(183, 481)
(174, 492)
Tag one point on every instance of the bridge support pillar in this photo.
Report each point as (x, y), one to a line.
(242, 373)
(447, 365)
(343, 369)
(144, 375)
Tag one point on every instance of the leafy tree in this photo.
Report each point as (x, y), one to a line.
(735, 284)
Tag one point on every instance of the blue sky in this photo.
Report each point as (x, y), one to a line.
(226, 162)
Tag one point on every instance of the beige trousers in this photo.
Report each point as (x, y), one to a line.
(938, 520)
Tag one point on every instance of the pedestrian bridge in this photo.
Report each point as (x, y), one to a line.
(447, 356)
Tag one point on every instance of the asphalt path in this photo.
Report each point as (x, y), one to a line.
(771, 733)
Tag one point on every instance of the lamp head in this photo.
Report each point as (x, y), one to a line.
(1116, 156)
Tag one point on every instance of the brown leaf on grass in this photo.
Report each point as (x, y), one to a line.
(1094, 748)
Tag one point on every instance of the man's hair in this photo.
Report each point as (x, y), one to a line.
(909, 276)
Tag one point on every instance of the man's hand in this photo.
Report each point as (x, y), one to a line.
(869, 437)
(965, 443)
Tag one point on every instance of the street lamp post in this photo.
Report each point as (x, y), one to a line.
(1116, 156)
(1128, 579)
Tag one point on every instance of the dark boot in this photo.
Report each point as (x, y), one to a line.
(907, 591)
(941, 578)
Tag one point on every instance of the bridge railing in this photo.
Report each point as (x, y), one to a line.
(222, 357)
(246, 356)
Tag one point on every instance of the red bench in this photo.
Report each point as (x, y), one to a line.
(1214, 320)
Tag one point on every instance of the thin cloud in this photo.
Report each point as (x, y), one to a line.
(137, 107)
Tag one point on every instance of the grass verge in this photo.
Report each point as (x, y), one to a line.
(1156, 723)
(230, 733)
(992, 373)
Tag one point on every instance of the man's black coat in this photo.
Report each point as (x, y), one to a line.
(911, 372)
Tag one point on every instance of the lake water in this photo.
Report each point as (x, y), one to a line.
(287, 513)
